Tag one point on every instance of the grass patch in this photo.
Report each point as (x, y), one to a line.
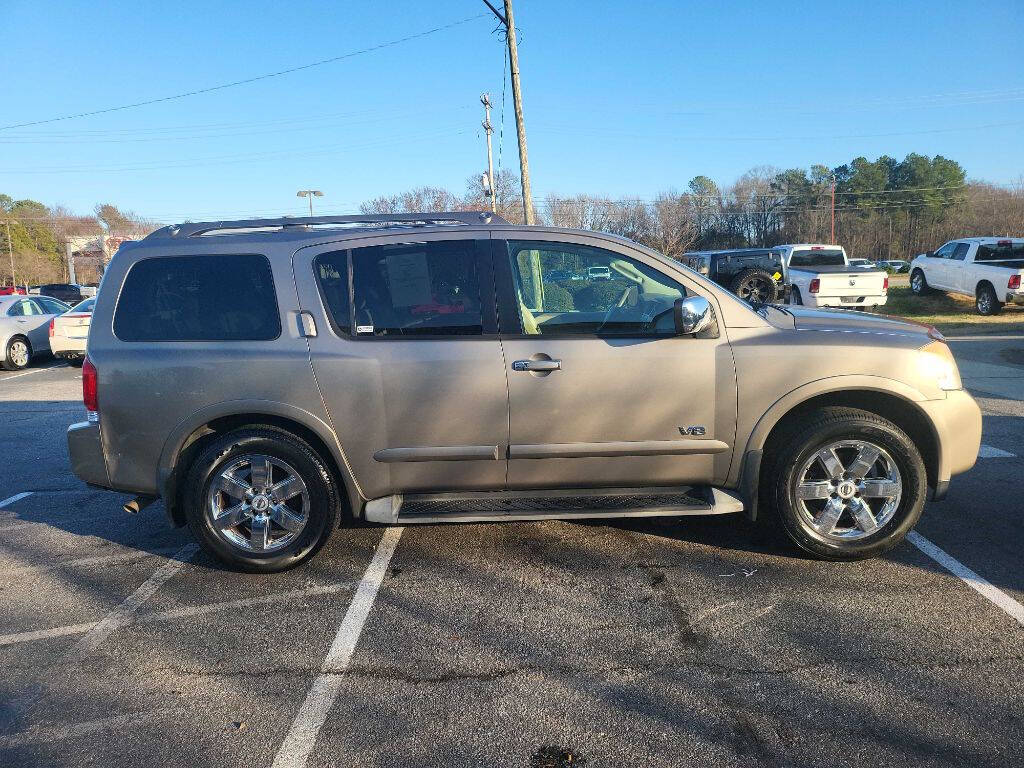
(953, 315)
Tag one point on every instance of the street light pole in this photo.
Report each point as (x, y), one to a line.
(517, 101)
(833, 241)
(310, 194)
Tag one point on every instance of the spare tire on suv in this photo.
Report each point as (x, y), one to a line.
(756, 285)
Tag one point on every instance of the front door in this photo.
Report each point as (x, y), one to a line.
(32, 320)
(408, 360)
(602, 392)
(937, 265)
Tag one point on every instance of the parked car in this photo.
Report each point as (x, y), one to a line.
(599, 273)
(66, 292)
(821, 276)
(560, 275)
(988, 268)
(88, 291)
(894, 265)
(270, 380)
(863, 264)
(70, 332)
(11, 290)
(24, 324)
(753, 274)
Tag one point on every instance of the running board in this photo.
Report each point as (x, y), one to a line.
(576, 504)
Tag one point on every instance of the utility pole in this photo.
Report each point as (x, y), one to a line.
(833, 241)
(10, 252)
(485, 99)
(517, 99)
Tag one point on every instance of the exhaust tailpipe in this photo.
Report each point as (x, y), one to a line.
(138, 504)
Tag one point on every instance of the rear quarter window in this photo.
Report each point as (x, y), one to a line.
(227, 297)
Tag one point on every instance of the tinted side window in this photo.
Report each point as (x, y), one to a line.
(226, 297)
(570, 289)
(52, 306)
(331, 271)
(417, 289)
(960, 251)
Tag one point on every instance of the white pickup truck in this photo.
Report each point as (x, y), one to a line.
(988, 268)
(821, 276)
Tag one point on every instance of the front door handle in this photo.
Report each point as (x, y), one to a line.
(537, 365)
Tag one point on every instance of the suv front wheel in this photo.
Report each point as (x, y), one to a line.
(845, 484)
(260, 500)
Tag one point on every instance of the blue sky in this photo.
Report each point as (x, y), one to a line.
(623, 99)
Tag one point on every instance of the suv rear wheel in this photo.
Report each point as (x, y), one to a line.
(844, 483)
(260, 499)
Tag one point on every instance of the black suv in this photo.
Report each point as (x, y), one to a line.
(753, 274)
(66, 292)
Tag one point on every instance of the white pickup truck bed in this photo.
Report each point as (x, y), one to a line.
(821, 276)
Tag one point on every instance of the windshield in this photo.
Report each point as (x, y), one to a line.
(84, 306)
(819, 257)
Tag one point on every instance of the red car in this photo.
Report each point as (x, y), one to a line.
(11, 290)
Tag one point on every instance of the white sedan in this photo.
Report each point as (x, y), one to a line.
(24, 324)
(70, 332)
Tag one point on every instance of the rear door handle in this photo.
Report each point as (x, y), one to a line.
(307, 325)
(537, 365)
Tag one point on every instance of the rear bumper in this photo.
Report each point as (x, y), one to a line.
(62, 345)
(957, 424)
(86, 453)
(813, 300)
(1017, 297)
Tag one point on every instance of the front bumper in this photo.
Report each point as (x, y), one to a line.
(957, 424)
(86, 452)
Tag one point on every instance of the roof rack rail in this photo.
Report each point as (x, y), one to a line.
(196, 228)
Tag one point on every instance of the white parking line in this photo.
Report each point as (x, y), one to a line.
(301, 738)
(180, 613)
(29, 373)
(16, 497)
(121, 615)
(983, 587)
(991, 452)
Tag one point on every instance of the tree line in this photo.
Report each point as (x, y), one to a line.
(884, 209)
(39, 235)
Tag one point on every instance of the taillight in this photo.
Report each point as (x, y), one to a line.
(90, 389)
(885, 284)
(51, 328)
(815, 285)
(1014, 282)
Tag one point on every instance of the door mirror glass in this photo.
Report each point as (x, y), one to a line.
(692, 315)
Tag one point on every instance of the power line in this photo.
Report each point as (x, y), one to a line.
(248, 80)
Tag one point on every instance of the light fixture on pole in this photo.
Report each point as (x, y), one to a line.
(310, 194)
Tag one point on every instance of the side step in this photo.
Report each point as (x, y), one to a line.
(577, 504)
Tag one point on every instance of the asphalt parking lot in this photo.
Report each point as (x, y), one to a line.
(667, 642)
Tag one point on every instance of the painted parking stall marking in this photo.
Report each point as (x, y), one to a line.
(991, 452)
(980, 585)
(301, 738)
(16, 497)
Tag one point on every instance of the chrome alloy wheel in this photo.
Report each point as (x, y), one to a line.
(19, 353)
(917, 282)
(258, 503)
(849, 489)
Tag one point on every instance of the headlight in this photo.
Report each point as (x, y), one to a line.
(936, 363)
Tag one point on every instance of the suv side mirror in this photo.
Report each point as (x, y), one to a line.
(692, 315)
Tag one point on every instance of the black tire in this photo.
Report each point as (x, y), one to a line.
(985, 300)
(13, 361)
(795, 297)
(919, 283)
(799, 442)
(75, 362)
(756, 285)
(324, 503)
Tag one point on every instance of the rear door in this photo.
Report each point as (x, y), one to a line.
(408, 360)
(602, 393)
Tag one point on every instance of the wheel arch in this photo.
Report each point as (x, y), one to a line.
(192, 434)
(887, 398)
